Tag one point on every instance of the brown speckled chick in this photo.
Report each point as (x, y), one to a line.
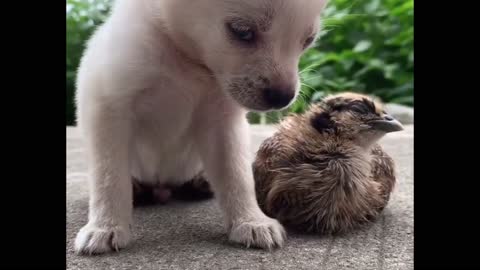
(323, 171)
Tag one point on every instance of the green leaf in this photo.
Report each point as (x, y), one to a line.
(362, 46)
(317, 96)
(406, 100)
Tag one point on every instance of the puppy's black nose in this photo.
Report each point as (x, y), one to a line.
(278, 97)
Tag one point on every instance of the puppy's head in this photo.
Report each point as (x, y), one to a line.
(252, 47)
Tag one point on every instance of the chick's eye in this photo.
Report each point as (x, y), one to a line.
(242, 32)
(360, 109)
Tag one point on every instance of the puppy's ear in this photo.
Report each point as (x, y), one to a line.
(323, 123)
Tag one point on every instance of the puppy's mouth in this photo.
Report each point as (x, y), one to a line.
(249, 98)
(258, 93)
(261, 99)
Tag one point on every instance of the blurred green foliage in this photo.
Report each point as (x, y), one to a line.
(365, 46)
(83, 16)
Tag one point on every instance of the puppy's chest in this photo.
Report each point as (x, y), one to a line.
(167, 106)
(164, 134)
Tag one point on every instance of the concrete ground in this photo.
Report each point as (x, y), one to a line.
(191, 235)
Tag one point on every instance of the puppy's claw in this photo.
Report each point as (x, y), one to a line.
(94, 240)
(266, 233)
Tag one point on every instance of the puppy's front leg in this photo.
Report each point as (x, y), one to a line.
(228, 168)
(110, 210)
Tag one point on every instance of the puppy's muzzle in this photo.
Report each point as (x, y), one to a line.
(278, 98)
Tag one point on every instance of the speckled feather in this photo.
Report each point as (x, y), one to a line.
(323, 181)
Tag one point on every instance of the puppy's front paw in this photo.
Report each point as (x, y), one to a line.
(94, 240)
(263, 232)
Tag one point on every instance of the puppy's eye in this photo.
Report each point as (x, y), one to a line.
(242, 32)
(308, 42)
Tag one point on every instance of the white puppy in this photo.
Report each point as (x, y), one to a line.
(163, 90)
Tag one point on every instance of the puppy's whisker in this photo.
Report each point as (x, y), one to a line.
(301, 98)
(310, 87)
(310, 68)
(311, 78)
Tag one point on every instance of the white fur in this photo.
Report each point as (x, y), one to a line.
(153, 103)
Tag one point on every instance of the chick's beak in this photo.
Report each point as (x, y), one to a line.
(386, 124)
